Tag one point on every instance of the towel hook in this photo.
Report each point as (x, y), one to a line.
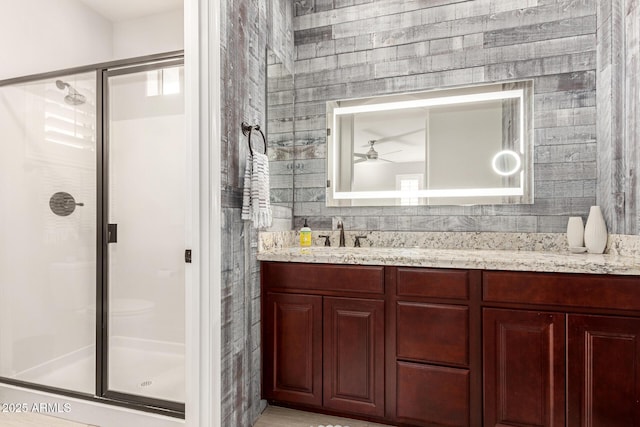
(246, 131)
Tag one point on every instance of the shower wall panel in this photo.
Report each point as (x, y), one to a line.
(144, 267)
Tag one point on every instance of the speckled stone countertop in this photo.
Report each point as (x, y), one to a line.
(504, 252)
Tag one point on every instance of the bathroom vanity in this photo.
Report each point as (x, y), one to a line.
(448, 345)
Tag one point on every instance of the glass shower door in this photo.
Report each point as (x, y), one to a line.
(145, 248)
(48, 233)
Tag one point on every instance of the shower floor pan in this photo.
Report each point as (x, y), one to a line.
(136, 366)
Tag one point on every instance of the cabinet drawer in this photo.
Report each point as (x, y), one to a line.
(433, 283)
(572, 290)
(433, 333)
(324, 277)
(432, 395)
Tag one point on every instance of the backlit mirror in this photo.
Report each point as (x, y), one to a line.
(471, 145)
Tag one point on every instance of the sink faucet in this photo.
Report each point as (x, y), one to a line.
(341, 227)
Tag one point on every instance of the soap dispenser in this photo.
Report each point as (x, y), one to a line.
(305, 235)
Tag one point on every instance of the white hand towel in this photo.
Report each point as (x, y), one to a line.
(256, 205)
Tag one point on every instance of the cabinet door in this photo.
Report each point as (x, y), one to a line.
(604, 371)
(292, 359)
(524, 368)
(354, 355)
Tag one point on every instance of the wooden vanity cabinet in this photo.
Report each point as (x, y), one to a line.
(446, 347)
(579, 356)
(397, 345)
(434, 361)
(323, 337)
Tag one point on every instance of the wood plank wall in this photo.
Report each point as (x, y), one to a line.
(246, 28)
(358, 48)
(618, 126)
(632, 113)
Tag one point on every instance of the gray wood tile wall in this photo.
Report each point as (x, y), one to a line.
(246, 28)
(358, 48)
(632, 112)
(618, 125)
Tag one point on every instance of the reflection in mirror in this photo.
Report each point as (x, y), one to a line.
(280, 131)
(458, 146)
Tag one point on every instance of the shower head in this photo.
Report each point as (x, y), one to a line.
(73, 97)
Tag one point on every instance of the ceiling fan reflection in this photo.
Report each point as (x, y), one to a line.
(372, 155)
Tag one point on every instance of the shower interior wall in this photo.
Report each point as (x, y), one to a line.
(147, 269)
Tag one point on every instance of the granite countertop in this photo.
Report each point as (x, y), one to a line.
(460, 258)
(559, 260)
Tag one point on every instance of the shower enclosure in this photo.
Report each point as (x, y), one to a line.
(92, 259)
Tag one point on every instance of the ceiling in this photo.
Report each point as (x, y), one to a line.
(124, 10)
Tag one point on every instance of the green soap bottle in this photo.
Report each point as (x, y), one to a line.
(305, 235)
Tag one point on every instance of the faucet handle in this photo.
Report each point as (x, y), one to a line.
(356, 243)
(327, 242)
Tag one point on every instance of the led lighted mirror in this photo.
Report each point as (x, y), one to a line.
(471, 145)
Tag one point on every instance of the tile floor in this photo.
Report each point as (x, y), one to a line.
(275, 416)
(34, 420)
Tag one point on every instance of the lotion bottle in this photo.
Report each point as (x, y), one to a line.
(305, 235)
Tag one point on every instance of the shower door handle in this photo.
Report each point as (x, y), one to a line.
(112, 233)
